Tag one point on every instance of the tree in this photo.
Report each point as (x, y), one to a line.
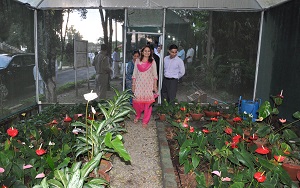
(106, 21)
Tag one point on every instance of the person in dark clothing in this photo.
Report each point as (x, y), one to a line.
(157, 60)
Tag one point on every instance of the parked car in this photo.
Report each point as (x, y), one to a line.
(16, 73)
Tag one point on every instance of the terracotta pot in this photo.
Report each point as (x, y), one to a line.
(196, 117)
(292, 170)
(162, 117)
(211, 113)
(225, 116)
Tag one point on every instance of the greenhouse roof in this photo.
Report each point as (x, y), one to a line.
(228, 5)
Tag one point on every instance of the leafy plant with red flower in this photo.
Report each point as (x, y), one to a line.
(12, 132)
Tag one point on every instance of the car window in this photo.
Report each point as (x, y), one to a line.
(4, 61)
(28, 60)
(17, 61)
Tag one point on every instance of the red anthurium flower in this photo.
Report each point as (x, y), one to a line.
(233, 145)
(237, 119)
(183, 108)
(262, 150)
(12, 132)
(228, 130)
(4, 186)
(214, 119)
(253, 137)
(236, 138)
(286, 152)
(279, 158)
(54, 122)
(205, 130)
(67, 119)
(40, 151)
(282, 120)
(260, 177)
(192, 129)
(185, 125)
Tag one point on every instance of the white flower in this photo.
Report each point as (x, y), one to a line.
(77, 130)
(51, 143)
(30, 146)
(90, 96)
(23, 143)
(250, 115)
(93, 110)
(218, 173)
(245, 112)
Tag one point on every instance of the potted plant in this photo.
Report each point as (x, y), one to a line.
(163, 110)
(211, 110)
(196, 111)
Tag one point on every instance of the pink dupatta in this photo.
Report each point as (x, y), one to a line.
(142, 67)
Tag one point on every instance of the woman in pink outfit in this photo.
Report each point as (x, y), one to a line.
(144, 83)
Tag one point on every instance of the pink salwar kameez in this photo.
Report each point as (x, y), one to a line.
(145, 76)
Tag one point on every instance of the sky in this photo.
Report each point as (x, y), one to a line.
(90, 28)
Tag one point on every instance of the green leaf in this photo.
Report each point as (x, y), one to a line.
(55, 183)
(187, 167)
(90, 166)
(59, 175)
(265, 109)
(44, 183)
(50, 162)
(201, 180)
(183, 154)
(119, 148)
(74, 180)
(237, 185)
(195, 160)
(243, 158)
(64, 163)
(296, 115)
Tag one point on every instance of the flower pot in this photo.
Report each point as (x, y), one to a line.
(225, 116)
(162, 117)
(292, 170)
(196, 117)
(211, 113)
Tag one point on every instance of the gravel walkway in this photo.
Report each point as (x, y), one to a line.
(144, 171)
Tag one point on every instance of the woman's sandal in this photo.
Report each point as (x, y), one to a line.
(145, 125)
(135, 121)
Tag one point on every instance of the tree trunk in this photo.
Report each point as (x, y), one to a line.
(104, 25)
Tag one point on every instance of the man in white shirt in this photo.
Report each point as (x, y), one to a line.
(189, 55)
(173, 71)
(115, 64)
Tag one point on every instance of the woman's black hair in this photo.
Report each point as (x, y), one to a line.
(151, 54)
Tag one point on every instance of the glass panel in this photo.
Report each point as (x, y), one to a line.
(17, 87)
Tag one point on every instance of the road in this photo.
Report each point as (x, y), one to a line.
(68, 75)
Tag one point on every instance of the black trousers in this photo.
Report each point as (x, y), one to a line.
(169, 89)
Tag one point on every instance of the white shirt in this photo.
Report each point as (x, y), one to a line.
(190, 53)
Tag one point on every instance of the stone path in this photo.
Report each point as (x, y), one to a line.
(144, 171)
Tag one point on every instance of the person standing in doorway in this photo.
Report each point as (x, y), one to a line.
(173, 71)
(144, 85)
(102, 67)
(181, 53)
(115, 64)
(129, 71)
(189, 56)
